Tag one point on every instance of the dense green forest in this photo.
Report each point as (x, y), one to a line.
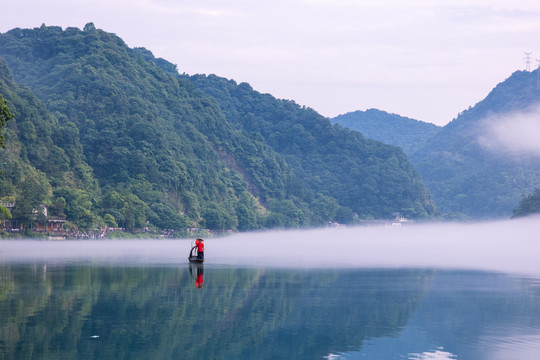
(366, 176)
(467, 179)
(109, 135)
(388, 128)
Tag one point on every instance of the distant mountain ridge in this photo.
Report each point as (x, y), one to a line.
(388, 128)
(466, 175)
(477, 166)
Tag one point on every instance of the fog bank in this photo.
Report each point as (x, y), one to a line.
(514, 133)
(511, 246)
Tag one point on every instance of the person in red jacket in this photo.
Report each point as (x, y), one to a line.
(200, 248)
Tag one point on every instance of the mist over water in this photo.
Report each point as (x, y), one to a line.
(510, 246)
(350, 293)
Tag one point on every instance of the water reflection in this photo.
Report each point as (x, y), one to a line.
(197, 271)
(53, 311)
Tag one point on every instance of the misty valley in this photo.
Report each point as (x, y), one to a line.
(365, 236)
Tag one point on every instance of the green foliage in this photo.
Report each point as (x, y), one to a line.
(528, 205)
(141, 125)
(5, 116)
(34, 189)
(124, 140)
(470, 180)
(388, 128)
(4, 213)
(218, 217)
(467, 180)
(372, 179)
(78, 207)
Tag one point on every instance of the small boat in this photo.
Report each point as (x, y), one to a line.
(193, 258)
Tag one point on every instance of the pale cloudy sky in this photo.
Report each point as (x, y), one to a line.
(425, 59)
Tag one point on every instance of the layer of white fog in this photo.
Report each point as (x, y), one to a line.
(514, 133)
(511, 246)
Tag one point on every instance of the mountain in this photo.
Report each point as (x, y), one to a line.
(157, 148)
(173, 150)
(388, 128)
(41, 154)
(369, 177)
(480, 164)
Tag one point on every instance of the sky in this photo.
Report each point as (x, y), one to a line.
(424, 59)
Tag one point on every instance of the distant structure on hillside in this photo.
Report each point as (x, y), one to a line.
(527, 59)
(538, 73)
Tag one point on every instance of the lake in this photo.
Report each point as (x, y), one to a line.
(437, 291)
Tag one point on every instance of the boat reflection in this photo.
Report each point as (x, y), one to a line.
(66, 311)
(197, 272)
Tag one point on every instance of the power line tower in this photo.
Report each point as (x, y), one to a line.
(527, 59)
(538, 73)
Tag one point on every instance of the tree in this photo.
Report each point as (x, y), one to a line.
(344, 215)
(109, 220)
(247, 219)
(33, 191)
(217, 218)
(134, 212)
(4, 213)
(528, 205)
(5, 116)
(78, 207)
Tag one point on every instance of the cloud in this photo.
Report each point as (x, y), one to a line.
(423, 59)
(515, 133)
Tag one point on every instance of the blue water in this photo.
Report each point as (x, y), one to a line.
(426, 292)
(74, 311)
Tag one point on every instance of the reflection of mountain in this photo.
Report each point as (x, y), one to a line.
(471, 315)
(484, 309)
(57, 312)
(142, 313)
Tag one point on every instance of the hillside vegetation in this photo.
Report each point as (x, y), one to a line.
(367, 176)
(480, 164)
(388, 128)
(468, 170)
(115, 136)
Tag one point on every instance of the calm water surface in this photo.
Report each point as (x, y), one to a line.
(73, 311)
(140, 300)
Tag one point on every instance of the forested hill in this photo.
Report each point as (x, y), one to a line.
(480, 165)
(388, 128)
(41, 154)
(365, 175)
(144, 144)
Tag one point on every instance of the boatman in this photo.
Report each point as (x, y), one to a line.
(200, 248)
